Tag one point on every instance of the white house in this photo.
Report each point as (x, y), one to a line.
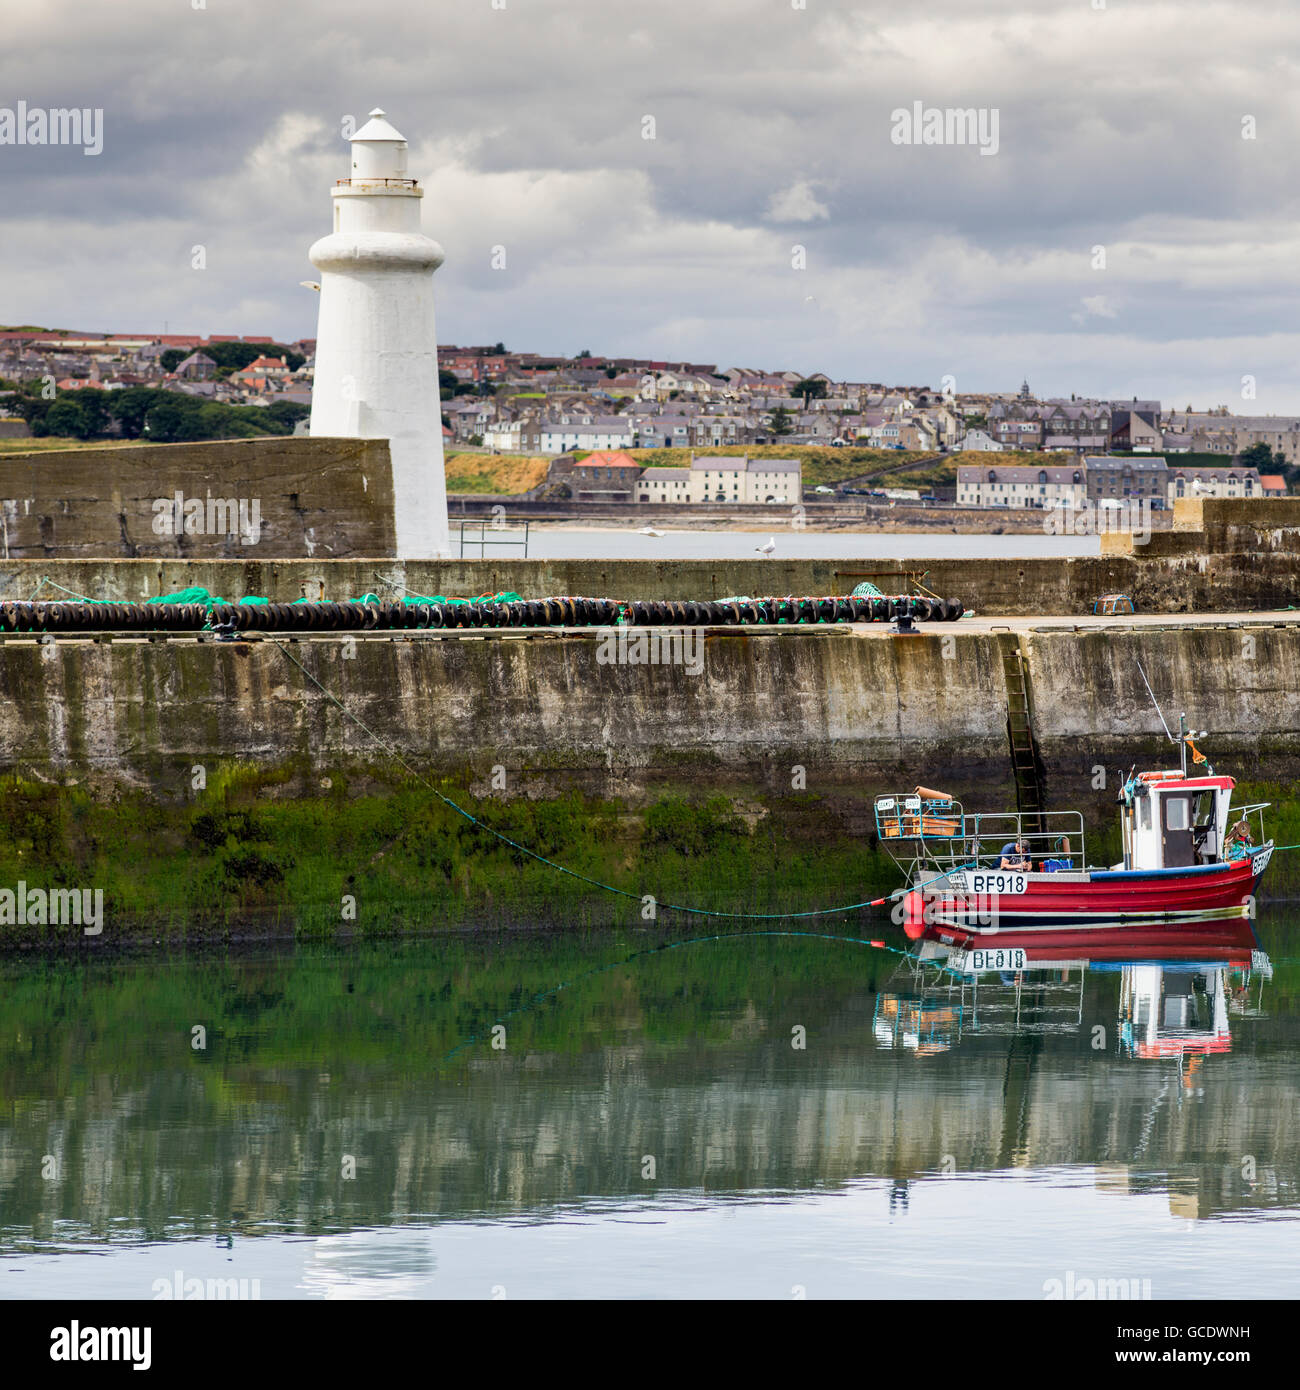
(724, 479)
(597, 433)
(1214, 482)
(664, 485)
(978, 486)
(977, 442)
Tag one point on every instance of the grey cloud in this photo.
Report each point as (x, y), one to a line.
(1106, 119)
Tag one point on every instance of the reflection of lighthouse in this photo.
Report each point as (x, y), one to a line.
(376, 349)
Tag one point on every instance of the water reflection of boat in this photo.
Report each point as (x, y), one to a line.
(1179, 984)
(920, 1025)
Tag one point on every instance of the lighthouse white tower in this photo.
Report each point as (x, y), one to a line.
(376, 347)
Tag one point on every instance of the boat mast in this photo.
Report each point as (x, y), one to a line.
(1182, 740)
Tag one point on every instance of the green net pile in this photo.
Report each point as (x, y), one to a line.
(206, 599)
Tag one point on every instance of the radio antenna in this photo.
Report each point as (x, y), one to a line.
(1156, 703)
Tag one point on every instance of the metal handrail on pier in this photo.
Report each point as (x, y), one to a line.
(482, 541)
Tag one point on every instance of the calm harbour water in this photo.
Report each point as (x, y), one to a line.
(627, 544)
(348, 1129)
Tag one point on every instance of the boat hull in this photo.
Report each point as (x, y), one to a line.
(980, 904)
(1221, 939)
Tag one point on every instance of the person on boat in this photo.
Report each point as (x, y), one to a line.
(1061, 864)
(1014, 856)
(1237, 840)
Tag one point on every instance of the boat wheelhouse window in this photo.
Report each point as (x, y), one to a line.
(1203, 809)
(1144, 813)
(1176, 813)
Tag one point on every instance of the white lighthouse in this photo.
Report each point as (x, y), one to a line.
(376, 348)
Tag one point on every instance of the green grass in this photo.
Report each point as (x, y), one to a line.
(374, 854)
(822, 465)
(243, 854)
(508, 474)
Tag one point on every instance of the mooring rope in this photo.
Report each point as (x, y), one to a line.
(694, 941)
(574, 873)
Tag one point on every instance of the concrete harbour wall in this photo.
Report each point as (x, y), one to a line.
(861, 712)
(315, 497)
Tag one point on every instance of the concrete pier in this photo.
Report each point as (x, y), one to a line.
(859, 709)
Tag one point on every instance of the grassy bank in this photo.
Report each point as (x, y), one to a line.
(822, 465)
(245, 858)
(495, 473)
(242, 859)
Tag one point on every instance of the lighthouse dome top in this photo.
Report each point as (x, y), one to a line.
(378, 150)
(377, 128)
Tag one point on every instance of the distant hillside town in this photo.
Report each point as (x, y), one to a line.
(166, 387)
(537, 405)
(1109, 481)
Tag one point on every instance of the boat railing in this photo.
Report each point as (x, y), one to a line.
(1256, 809)
(1060, 842)
(915, 817)
(939, 829)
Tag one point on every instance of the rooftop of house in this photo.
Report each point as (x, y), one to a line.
(608, 459)
(1226, 472)
(1146, 463)
(1054, 473)
(598, 424)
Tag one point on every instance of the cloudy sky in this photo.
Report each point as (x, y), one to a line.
(1120, 126)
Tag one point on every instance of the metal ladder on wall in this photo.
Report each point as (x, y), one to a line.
(1026, 764)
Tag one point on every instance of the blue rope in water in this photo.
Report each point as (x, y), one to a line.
(583, 878)
(694, 941)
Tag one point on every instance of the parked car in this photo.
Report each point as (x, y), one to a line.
(822, 488)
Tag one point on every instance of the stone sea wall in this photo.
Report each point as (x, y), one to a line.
(857, 710)
(308, 497)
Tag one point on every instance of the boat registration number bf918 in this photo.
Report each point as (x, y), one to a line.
(1003, 958)
(996, 882)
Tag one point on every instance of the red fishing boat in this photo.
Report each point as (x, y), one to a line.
(1188, 854)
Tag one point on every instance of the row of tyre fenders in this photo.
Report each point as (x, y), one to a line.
(72, 616)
